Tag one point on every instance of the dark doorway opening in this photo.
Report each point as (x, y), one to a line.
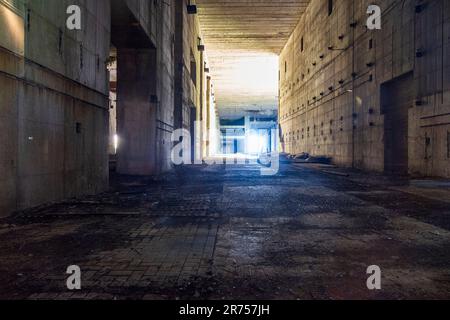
(396, 98)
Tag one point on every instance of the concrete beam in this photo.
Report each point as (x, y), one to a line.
(126, 29)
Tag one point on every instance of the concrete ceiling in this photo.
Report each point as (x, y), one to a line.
(243, 39)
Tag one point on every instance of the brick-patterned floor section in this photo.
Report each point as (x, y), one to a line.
(220, 233)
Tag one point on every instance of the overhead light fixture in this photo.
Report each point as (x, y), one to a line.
(200, 45)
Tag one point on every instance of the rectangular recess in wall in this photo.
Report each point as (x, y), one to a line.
(193, 69)
(427, 146)
(330, 7)
(81, 57)
(60, 41)
(448, 144)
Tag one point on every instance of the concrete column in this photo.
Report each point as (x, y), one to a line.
(202, 94)
(208, 116)
(136, 111)
(179, 66)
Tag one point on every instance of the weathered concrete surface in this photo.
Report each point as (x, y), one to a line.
(145, 77)
(54, 97)
(193, 90)
(331, 100)
(188, 93)
(136, 112)
(220, 233)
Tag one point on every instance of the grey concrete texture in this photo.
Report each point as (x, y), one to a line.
(55, 90)
(216, 232)
(54, 94)
(325, 110)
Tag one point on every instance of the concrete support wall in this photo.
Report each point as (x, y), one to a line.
(190, 89)
(186, 51)
(145, 91)
(54, 97)
(53, 102)
(147, 14)
(165, 85)
(136, 113)
(330, 100)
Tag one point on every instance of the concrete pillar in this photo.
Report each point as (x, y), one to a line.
(136, 111)
(208, 116)
(179, 67)
(202, 113)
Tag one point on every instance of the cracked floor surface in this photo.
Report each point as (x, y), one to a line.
(216, 232)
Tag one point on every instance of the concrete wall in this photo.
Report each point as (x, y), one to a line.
(11, 66)
(192, 96)
(147, 13)
(54, 103)
(165, 84)
(187, 92)
(145, 88)
(136, 111)
(54, 96)
(330, 100)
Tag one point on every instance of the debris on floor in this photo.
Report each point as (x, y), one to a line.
(218, 232)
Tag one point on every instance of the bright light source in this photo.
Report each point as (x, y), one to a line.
(116, 143)
(246, 79)
(257, 143)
